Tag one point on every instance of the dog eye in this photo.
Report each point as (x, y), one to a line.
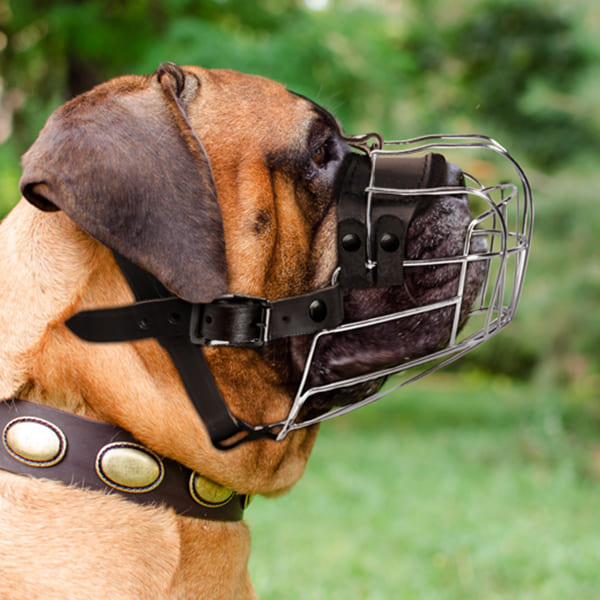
(322, 154)
(319, 155)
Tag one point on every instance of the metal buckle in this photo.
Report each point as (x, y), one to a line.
(262, 324)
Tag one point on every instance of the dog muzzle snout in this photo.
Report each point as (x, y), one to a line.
(383, 191)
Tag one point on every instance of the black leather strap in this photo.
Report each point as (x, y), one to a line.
(352, 179)
(85, 442)
(391, 214)
(190, 362)
(163, 317)
(236, 321)
(182, 328)
(309, 313)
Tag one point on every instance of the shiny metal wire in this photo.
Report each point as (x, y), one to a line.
(505, 223)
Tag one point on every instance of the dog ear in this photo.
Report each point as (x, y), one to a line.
(125, 164)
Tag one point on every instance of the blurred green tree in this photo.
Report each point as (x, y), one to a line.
(407, 74)
(491, 62)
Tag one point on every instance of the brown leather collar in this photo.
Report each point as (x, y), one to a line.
(49, 443)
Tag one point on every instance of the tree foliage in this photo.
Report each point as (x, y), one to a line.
(492, 61)
(406, 71)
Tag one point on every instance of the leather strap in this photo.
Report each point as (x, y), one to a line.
(189, 360)
(376, 261)
(352, 179)
(235, 321)
(182, 328)
(90, 454)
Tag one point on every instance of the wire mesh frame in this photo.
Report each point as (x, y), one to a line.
(506, 225)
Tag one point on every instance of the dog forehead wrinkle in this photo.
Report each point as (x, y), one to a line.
(245, 96)
(235, 106)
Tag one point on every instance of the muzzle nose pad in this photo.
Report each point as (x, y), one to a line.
(374, 215)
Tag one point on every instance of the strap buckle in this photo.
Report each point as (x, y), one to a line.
(231, 320)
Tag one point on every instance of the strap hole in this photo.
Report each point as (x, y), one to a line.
(208, 319)
(174, 318)
(144, 323)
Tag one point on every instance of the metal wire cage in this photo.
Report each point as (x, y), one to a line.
(498, 238)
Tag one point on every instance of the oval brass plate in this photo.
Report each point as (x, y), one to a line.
(35, 442)
(129, 467)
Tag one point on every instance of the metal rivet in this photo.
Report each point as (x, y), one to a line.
(317, 310)
(389, 242)
(351, 242)
(207, 492)
(129, 467)
(34, 441)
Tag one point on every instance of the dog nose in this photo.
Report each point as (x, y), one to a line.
(454, 175)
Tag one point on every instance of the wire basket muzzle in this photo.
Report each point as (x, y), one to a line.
(494, 256)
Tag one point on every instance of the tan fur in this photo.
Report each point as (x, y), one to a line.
(59, 542)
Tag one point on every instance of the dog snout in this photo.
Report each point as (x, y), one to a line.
(454, 175)
(437, 231)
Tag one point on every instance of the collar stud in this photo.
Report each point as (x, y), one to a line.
(34, 441)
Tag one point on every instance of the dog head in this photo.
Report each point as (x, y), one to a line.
(216, 182)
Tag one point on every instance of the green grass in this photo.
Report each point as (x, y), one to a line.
(455, 488)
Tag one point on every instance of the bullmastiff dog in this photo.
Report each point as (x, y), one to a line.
(213, 182)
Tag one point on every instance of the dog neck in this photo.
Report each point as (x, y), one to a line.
(49, 270)
(130, 549)
(47, 265)
(33, 277)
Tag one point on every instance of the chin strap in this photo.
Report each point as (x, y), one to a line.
(183, 328)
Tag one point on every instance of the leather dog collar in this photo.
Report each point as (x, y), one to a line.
(49, 443)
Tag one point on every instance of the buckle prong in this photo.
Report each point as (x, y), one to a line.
(265, 326)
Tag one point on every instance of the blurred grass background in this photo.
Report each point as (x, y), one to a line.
(480, 482)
